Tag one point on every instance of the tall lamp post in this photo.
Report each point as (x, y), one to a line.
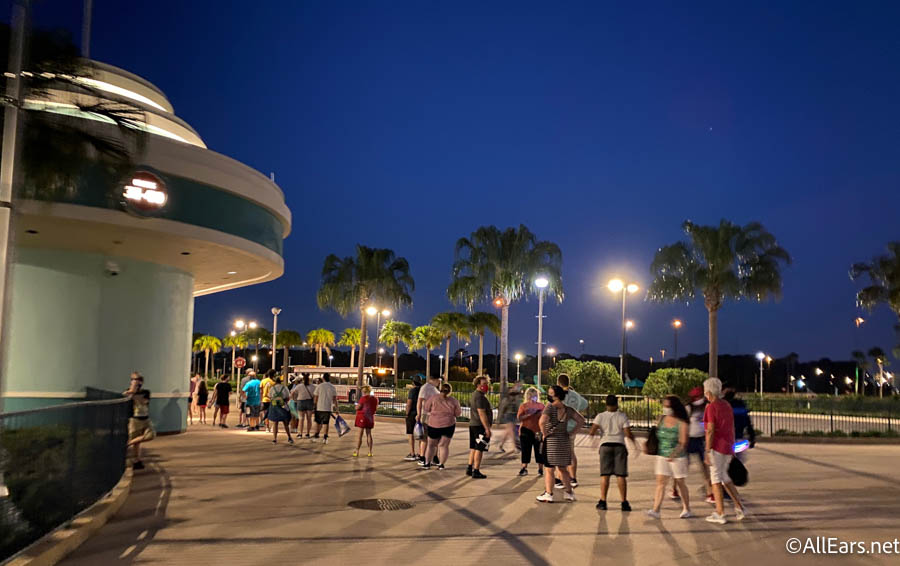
(275, 312)
(629, 324)
(581, 343)
(233, 348)
(616, 286)
(552, 353)
(761, 356)
(518, 361)
(441, 369)
(252, 326)
(383, 312)
(859, 322)
(541, 283)
(676, 324)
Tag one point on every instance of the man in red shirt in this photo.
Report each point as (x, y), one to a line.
(718, 420)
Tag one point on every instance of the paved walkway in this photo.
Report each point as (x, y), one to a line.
(212, 496)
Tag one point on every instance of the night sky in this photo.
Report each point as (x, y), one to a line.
(599, 125)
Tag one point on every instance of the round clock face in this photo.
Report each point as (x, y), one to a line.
(145, 194)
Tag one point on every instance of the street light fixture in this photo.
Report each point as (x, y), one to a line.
(275, 312)
(330, 360)
(541, 283)
(616, 286)
(676, 324)
(441, 369)
(761, 356)
(552, 353)
(518, 361)
(581, 343)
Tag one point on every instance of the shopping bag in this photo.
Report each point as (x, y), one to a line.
(292, 407)
(419, 431)
(737, 472)
(341, 425)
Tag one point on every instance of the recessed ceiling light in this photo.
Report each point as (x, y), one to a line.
(31, 231)
(185, 253)
(232, 273)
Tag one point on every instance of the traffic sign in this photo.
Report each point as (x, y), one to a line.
(240, 362)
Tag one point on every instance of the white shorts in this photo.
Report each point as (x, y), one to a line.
(675, 468)
(718, 467)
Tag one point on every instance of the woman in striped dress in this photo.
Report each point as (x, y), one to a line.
(558, 448)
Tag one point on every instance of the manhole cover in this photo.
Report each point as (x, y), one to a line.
(381, 504)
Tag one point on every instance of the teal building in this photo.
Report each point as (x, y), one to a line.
(102, 286)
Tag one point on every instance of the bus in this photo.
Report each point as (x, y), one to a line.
(344, 380)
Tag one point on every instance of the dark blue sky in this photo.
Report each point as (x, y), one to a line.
(601, 126)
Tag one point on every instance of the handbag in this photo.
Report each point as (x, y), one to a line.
(651, 447)
(292, 407)
(418, 431)
(737, 472)
(341, 425)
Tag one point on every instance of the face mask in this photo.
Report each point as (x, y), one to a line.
(698, 402)
(483, 388)
(667, 411)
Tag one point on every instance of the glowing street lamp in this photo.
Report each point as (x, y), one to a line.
(541, 283)
(518, 357)
(441, 370)
(761, 356)
(552, 353)
(617, 286)
(676, 324)
(330, 360)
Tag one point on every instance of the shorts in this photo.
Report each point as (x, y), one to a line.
(243, 406)
(474, 433)
(696, 445)
(253, 411)
(223, 409)
(718, 467)
(138, 428)
(613, 460)
(436, 433)
(675, 468)
(410, 424)
(323, 417)
(306, 405)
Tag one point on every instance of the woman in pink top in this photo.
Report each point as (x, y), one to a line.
(442, 411)
(529, 416)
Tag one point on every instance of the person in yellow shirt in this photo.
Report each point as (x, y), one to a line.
(265, 387)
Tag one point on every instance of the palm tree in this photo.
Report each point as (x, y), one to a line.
(350, 338)
(427, 337)
(450, 323)
(207, 343)
(392, 333)
(480, 322)
(319, 339)
(257, 336)
(195, 362)
(877, 354)
(501, 267)
(352, 283)
(720, 262)
(884, 277)
(287, 339)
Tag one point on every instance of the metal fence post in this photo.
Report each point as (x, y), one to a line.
(831, 418)
(771, 421)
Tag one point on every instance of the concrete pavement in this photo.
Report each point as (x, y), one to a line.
(230, 497)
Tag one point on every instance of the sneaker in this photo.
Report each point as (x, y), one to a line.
(601, 505)
(739, 514)
(223, 425)
(420, 459)
(355, 454)
(440, 466)
(501, 450)
(545, 497)
(523, 472)
(315, 437)
(325, 439)
(307, 435)
(559, 484)
(241, 426)
(137, 465)
(422, 463)
(626, 506)
(428, 466)
(370, 455)
(716, 518)
(274, 442)
(685, 515)
(570, 496)
(411, 458)
(477, 475)
(652, 513)
(573, 483)
(290, 440)
(710, 499)
(540, 471)
(469, 470)
(435, 461)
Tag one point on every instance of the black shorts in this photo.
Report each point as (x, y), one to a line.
(696, 445)
(265, 407)
(323, 417)
(307, 405)
(253, 411)
(613, 460)
(474, 433)
(410, 424)
(437, 433)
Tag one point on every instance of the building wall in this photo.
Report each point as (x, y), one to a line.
(75, 326)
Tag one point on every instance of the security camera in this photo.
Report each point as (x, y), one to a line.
(112, 268)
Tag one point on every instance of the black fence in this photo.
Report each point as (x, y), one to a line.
(55, 462)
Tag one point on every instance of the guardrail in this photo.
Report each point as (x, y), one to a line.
(55, 462)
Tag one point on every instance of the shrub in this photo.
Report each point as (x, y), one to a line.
(673, 381)
(589, 377)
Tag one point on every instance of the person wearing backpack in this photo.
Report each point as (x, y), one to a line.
(575, 401)
(302, 394)
(278, 411)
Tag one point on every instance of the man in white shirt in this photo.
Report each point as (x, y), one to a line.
(614, 429)
(326, 403)
(430, 389)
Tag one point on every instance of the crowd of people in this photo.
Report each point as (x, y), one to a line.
(705, 425)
